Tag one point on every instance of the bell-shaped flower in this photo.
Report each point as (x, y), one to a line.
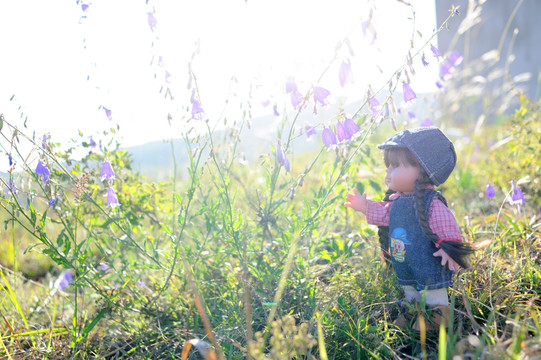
(423, 60)
(409, 94)
(52, 201)
(10, 160)
(412, 116)
(44, 142)
(344, 73)
(439, 85)
(455, 59)
(329, 139)
(281, 157)
(275, 110)
(63, 280)
(291, 87)
(11, 188)
(446, 70)
(167, 77)
(112, 199)
(321, 94)
(108, 112)
(107, 171)
(93, 144)
(85, 7)
(374, 106)
(352, 129)
(42, 170)
(341, 133)
(489, 191)
(296, 99)
(152, 22)
(427, 122)
(197, 111)
(517, 197)
(310, 131)
(436, 52)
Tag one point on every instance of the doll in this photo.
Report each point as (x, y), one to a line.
(423, 236)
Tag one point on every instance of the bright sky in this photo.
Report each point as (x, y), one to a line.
(48, 51)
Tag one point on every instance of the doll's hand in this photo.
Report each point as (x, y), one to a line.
(356, 201)
(446, 259)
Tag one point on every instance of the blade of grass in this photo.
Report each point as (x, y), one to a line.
(321, 340)
(14, 301)
(6, 349)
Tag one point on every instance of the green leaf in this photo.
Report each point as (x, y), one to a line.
(32, 213)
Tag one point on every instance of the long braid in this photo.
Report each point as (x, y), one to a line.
(455, 249)
(383, 234)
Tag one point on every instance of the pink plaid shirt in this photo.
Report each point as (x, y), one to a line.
(440, 219)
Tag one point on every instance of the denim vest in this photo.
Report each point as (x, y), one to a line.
(411, 250)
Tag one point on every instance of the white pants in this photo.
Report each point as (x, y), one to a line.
(433, 297)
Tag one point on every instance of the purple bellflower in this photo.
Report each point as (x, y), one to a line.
(11, 188)
(310, 131)
(321, 94)
(439, 85)
(167, 77)
(374, 103)
(63, 280)
(197, 111)
(112, 199)
(93, 144)
(10, 160)
(341, 132)
(291, 87)
(517, 197)
(152, 22)
(409, 94)
(275, 110)
(107, 171)
(489, 191)
(427, 122)
(345, 73)
(296, 99)
(436, 52)
(412, 117)
(108, 112)
(52, 201)
(42, 170)
(281, 157)
(329, 139)
(455, 58)
(44, 142)
(141, 284)
(104, 267)
(352, 129)
(423, 60)
(445, 70)
(85, 7)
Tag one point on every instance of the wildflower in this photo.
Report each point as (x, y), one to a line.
(296, 99)
(11, 188)
(329, 139)
(10, 160)
(409, 94)
(423, 60)
(321, 94)
(455, 58)
(345, 73)
(63, 280)
(141, 284)
(42, 170)
(107, 171)
(291, 193)
(291, 87)
(427, 122)
(445, 70)
(412, 116)
(167, 77)
(266, 102)
(52, 201)
(112, 200)
(275, 110)
(84, 7)
(103, 267)
(436, 52)
(352, 129)
(374, 103)
(281, 157)
(197, 111)
(44, 142)
(439, 84)
(489, 190)
(108, 113)
(152, 22)
(310, 131)
(93, 144)
(160, 62)
(341, 132)
(454, 10)
(517, 198)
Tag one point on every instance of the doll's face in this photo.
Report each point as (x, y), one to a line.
(402, 177)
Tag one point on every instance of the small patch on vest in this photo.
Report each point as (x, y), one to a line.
(398, 244)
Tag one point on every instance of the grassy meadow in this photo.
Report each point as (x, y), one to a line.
(259, 259)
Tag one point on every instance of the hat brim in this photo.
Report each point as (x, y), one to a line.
(389, 144)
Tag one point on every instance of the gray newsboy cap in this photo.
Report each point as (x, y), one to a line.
(432, 149)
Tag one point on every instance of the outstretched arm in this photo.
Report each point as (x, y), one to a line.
(356, 201)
